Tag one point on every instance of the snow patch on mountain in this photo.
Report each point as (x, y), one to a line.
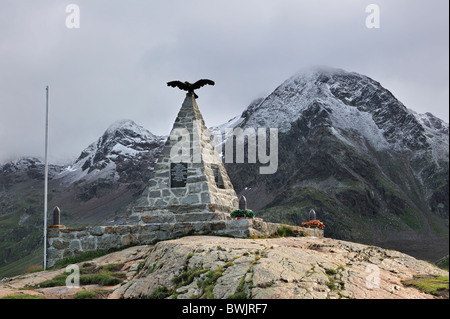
(122, 142)
(437, 134)
(23, 164)
(352, 102)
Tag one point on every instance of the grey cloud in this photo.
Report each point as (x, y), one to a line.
(116, 65)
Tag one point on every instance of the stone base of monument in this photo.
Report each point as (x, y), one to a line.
(65, 242)
(176, 214)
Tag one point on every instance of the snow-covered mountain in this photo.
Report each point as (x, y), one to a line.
(353, 152)
(346, 101)
(122, 147)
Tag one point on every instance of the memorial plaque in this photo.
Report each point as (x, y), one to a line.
(178, 174)
(217, 176)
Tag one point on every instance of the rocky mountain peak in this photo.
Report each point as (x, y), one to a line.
(22, 164)
(346, 102)
(123, 143)
(432, 122)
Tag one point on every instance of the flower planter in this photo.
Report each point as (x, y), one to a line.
(242, 213)
(313, 224)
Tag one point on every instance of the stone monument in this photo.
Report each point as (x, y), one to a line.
(189, 182)
(189, 192)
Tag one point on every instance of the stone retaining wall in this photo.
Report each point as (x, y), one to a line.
(70, 242)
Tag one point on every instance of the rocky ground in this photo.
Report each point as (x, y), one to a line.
(222, 268)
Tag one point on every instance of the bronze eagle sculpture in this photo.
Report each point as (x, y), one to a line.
(190, 87)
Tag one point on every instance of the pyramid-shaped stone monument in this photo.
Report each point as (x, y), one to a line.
(189, 182)
(189, 192)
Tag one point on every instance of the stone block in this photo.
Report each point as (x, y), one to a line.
(161, 166)
(109, 230)
(146, 238)
(160, 203)
(182, 229)
(167, 227)
(106, 242)
(154, 194)
(153, 183)
(66, 234)
(219, 225)
(194, 188)
(97, 230)
(67, 253)
(179, 191)
(166, 193)
(53, 232)
(163, 235)
(196, 217)
(158, 218)
(59, 244)
(148, 228)
(162, 173)
(190, 200)
(81, 234)
(205, 198)
(75, 245)
(241, 223)
(196, 179)
(122, 229)
(53, 255)
(133, 219)
(174, 201)
(234, 232)
(128, 240)
(87, 243)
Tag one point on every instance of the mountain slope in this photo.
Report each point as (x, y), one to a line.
(373, 170)
(95, 189)
(108, 174)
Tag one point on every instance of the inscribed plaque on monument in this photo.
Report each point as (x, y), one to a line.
(217, 177)
(178, 174)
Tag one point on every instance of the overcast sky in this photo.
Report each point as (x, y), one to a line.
(117, 63)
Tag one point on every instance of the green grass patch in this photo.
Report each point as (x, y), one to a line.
(57, 281)
(210, 280)
(23, 296)
(187, 276)
(211, 277)
(443, 263)
(285, 231)
(240, 290)
(20, 266)
(85, 294)
(89, 275)
(160, 293)
(85, 256)
(330, 272)
(435, 285)
(238, 295)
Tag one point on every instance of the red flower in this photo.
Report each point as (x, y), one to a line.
(313, 223)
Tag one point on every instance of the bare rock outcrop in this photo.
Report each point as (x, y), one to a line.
(221, 268)
(279, 268)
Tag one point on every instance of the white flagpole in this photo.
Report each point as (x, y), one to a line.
(46, 180)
